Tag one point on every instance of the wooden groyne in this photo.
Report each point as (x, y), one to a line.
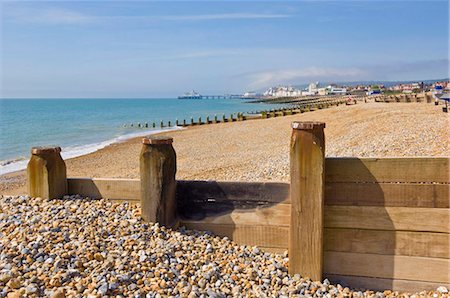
(378, 223)
(295, 106)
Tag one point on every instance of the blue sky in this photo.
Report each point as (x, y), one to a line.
(162, 49)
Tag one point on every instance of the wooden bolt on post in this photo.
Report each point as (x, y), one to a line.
(307, 196)
(158, 185)
(46, 173)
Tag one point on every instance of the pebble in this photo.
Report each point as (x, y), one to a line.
(442, 290)
(110, 251)
(31, 289)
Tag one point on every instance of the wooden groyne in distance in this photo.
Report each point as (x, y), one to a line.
(378, 223)
(295, 106)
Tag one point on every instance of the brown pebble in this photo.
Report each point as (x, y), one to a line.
(13, 295)
(59, 293)
(99, 257)
(14, 283)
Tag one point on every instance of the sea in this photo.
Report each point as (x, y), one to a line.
(82, 126)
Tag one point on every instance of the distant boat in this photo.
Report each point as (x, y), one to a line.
(191, 95)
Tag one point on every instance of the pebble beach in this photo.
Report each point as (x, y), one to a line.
(81, 247)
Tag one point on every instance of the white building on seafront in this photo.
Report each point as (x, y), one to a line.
(283, 91)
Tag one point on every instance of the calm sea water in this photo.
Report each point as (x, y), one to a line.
(81, 126)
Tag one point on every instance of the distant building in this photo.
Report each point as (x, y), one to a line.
(334, 90)
(312, 88)
(322, 91)
(283, 91)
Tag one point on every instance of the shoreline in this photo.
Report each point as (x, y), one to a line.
(258, 150)
(20, 163)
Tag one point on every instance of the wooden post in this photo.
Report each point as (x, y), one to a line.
(158, 185)
(307, 199)
(46, 173)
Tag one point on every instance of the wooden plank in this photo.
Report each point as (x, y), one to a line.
(277, 215)
(262, 236)
(120, 189)
(381, 284)
(388, 194)
(307, 158)
(199, 199)
(388, 218)
(420, 244)
(432, 169)
(385, 266)
(218, 191)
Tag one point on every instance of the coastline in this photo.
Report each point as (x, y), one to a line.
(257, 150)
(20, 164)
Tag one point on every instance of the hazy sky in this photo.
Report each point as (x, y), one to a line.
(163, 49)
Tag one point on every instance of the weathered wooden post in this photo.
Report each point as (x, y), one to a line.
(184, 122)
(192, 121)
(307, 199)
(169, 124)
(46, 173)
(215, 118)
(177, 123)
(158, 185)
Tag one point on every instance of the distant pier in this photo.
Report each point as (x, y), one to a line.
(225, 96)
